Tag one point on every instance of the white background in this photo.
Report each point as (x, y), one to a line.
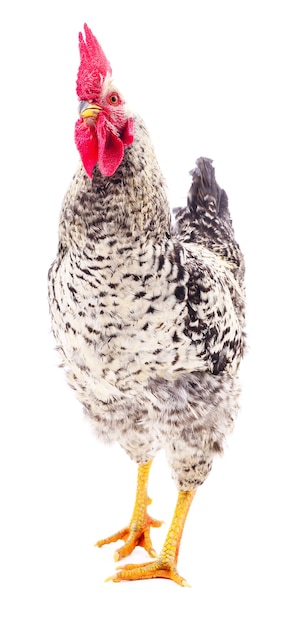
(210, 78)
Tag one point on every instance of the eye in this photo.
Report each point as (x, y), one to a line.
(114, 98)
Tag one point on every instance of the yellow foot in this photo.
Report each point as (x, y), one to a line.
(133, 535)
(155, 569)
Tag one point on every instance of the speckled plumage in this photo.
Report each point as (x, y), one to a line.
(149, 317)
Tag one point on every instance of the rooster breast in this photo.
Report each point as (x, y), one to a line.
(120, 322)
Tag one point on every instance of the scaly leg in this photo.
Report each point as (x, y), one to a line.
(138, 531)
(165, 565)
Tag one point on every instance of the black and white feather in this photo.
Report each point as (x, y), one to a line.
(149, 318)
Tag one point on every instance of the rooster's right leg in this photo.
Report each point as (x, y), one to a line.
(138, 531)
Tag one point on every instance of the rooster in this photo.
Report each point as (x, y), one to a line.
(148, 313)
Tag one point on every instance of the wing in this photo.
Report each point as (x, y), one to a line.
(215, 311)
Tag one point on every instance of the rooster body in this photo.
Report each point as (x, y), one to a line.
(149, 317)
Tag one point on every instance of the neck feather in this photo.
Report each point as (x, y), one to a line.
(130, 203)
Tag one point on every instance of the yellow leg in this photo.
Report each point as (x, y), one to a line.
(165, 565)
(138, 531)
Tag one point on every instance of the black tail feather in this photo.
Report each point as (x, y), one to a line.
(204, 192)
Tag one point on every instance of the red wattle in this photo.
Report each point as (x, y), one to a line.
(87, 145)
(111, 149)
(99, 144)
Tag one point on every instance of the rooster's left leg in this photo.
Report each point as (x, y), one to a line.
(138, 531)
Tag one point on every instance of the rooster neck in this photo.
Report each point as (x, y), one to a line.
(130, 204)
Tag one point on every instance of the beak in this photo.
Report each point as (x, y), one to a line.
(88, 109)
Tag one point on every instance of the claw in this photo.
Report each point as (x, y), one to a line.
(133, 538)
(165, 566)
(137, 533)
(113, 578)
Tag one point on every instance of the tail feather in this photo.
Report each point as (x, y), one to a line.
(205, 193)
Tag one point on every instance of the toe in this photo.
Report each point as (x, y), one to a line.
(145, 571)
(133, 537)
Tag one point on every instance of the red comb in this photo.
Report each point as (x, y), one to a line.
(94, 66)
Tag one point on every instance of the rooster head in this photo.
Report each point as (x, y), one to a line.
(105, 126)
